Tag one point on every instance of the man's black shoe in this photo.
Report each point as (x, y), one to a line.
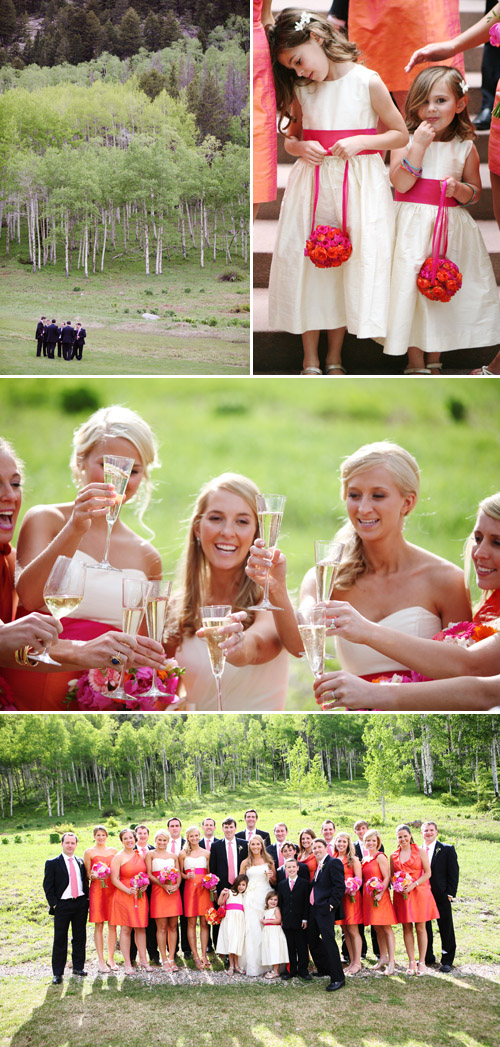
(445, 968)
(320, 974)
(81, 974)
(286, 976)
(333, 986)
(305, 977)
(57, 979)
(482, 120)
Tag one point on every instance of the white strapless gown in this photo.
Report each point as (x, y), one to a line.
(258, 688)
(253, 900)
(361, 660)
(102, 597)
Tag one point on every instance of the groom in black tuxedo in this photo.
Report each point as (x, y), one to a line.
(325, 906)
(444, 884)
(67, 892)
(227, 854)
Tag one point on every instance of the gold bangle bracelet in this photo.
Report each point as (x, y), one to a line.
(21, 655)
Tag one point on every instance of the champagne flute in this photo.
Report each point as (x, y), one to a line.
(135, 592)
(327, 556)
(117, 471)
(62, 592)
(213, 617)
(156, 611)
(270, 508)
(311, 622)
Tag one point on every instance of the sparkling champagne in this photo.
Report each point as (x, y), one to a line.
(119, 479)
(156, 610)
(131, 619)
(313, 638)
(60, 606)
(213, 638)
(269, 527)
(325, 571)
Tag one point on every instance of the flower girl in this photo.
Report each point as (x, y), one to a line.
(231, 940)
(274, 947)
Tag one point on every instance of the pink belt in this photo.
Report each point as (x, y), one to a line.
(329, 138)
(234, 905)
(197, 871)
(425, 191)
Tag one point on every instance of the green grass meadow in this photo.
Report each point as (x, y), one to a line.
(290, 437)
(204, 325)
(461, 1010)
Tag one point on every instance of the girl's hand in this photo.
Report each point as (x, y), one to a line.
(346, 148)
(261, 559)
(234, 631)
(91, 502)
(451, 186)
(343, 620)
(342, 690)
(312, 152)
(431, 53)
(34, 630)
(424, 134)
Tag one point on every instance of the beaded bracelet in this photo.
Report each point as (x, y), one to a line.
(407, 166)
(474, 197)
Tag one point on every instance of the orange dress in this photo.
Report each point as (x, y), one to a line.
(494, 139)
(264, 115)
(196, 897)
(163, 903)
(311, 863)
(419, 905)
(100, 897)
(127, 911)
(376, 915)
(353, 910)
(387, 33)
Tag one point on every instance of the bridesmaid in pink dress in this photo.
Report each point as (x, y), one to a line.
(264, 110)
(127, 908)
(100, 896)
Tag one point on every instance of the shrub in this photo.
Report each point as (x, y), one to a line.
(54, 838)
(77, 288)
(18, 839)
(110, 812)
(230, 276)
(79, 398)
(187, 290)
(457, 410)
(450, 801)
(5, 839)
(149, 293)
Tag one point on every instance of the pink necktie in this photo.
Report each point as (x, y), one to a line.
(172, 847)
(330, 850)
(230, 863)
(292, 884)
(208, 844)
(250, 834)
(280, 856)
(73, 879)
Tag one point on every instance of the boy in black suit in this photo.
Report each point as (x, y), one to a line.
(67, 892)
(293, 899)
(444, 884)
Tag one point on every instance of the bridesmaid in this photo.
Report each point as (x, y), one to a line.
(416, 905)
(127, 909)
(344, 850)
(193, 861)
(305, 854)
(264, 110)
(166, 901)
(100, 897)
(378, 909)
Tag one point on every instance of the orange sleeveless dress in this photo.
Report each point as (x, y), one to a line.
(353, 910)
(127, 911)
(196, 897)
(264, 115)
(419, 906)
(162, 903)
(381, 915)
(100, 897)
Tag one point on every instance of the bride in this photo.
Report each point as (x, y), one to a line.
(260, 869)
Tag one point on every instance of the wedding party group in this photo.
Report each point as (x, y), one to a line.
(271, 908)
(116, 637)
(68, 340)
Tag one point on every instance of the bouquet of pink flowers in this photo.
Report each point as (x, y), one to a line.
(168, 876)
(94, 689)
(373, 887)
(214, 916)
(352, 885)
(102, 871)
(400, 881)
(140, 881)
(210, 881)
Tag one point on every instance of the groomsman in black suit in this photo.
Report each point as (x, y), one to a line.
(293, 898)
(142, 846)
(67, 892)
(68, 334)
(227, 855)
(288, 851)
(444, 884)
(275, 849)
(177, 841)
(39, 335)
(52, 335)
(80, 336)
(251, 818)
(325, 906)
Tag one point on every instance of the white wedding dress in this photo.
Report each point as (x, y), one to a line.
(253, 900)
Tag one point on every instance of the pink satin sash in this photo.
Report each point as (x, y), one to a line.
(329, 138)
(234, 905)
(425, 191)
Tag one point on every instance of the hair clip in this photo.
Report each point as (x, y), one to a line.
(305, 18)
(464, 87)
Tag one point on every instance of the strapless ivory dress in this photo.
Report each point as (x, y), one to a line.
(361, 660)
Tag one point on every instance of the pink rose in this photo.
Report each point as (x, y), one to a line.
(103, 680)
(495, 34)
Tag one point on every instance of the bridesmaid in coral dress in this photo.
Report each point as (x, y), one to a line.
(378, 910)
(416, 904)
(100, 896)
(128, 910)
(264, 110)
(193, 861)
(353, 910)
(305, 854)
(166, 901)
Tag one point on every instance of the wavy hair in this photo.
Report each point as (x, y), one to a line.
(283, 36)
(187, 846)
(490, 506)
(7, 448)
(263, 853)
(461, 125)
(350, 852)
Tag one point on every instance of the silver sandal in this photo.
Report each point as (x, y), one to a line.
(336, 367)
(311, 370)
(417, 370)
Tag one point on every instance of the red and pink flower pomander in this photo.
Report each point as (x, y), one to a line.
(447, 280)
(328, 247)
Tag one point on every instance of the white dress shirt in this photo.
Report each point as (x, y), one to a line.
(67, 892)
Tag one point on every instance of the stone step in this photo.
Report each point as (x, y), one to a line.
(278, 352)
(265, 235)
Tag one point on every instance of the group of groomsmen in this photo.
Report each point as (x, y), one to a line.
(69, 340)
(308, 910)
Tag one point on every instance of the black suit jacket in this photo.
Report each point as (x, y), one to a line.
(67, 335)
(359, 852)
(56, 879)
(303, 873)
(329, 888)
(259, 832)
(52, 334)
(294, 905)
(444, 869)
(218, 861)
(80, 337)
(273, 851)
(40, 328)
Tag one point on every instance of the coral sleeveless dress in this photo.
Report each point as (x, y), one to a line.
(419, 906)
(377, 915)
(100, 897)
(196, 897)
(353, 911)
(127, 911)
(264, 115)
(163, 903)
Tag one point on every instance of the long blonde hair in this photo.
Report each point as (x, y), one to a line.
(490, 506)
(263, 853)
(7, 448)
(193, 576)
(350, 851)
(404, 470)
(187, 846)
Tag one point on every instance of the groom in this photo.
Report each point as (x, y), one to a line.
(325, 906)
(67, 892)
(227, 855)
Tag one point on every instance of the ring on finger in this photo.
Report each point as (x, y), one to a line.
(115, 660)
